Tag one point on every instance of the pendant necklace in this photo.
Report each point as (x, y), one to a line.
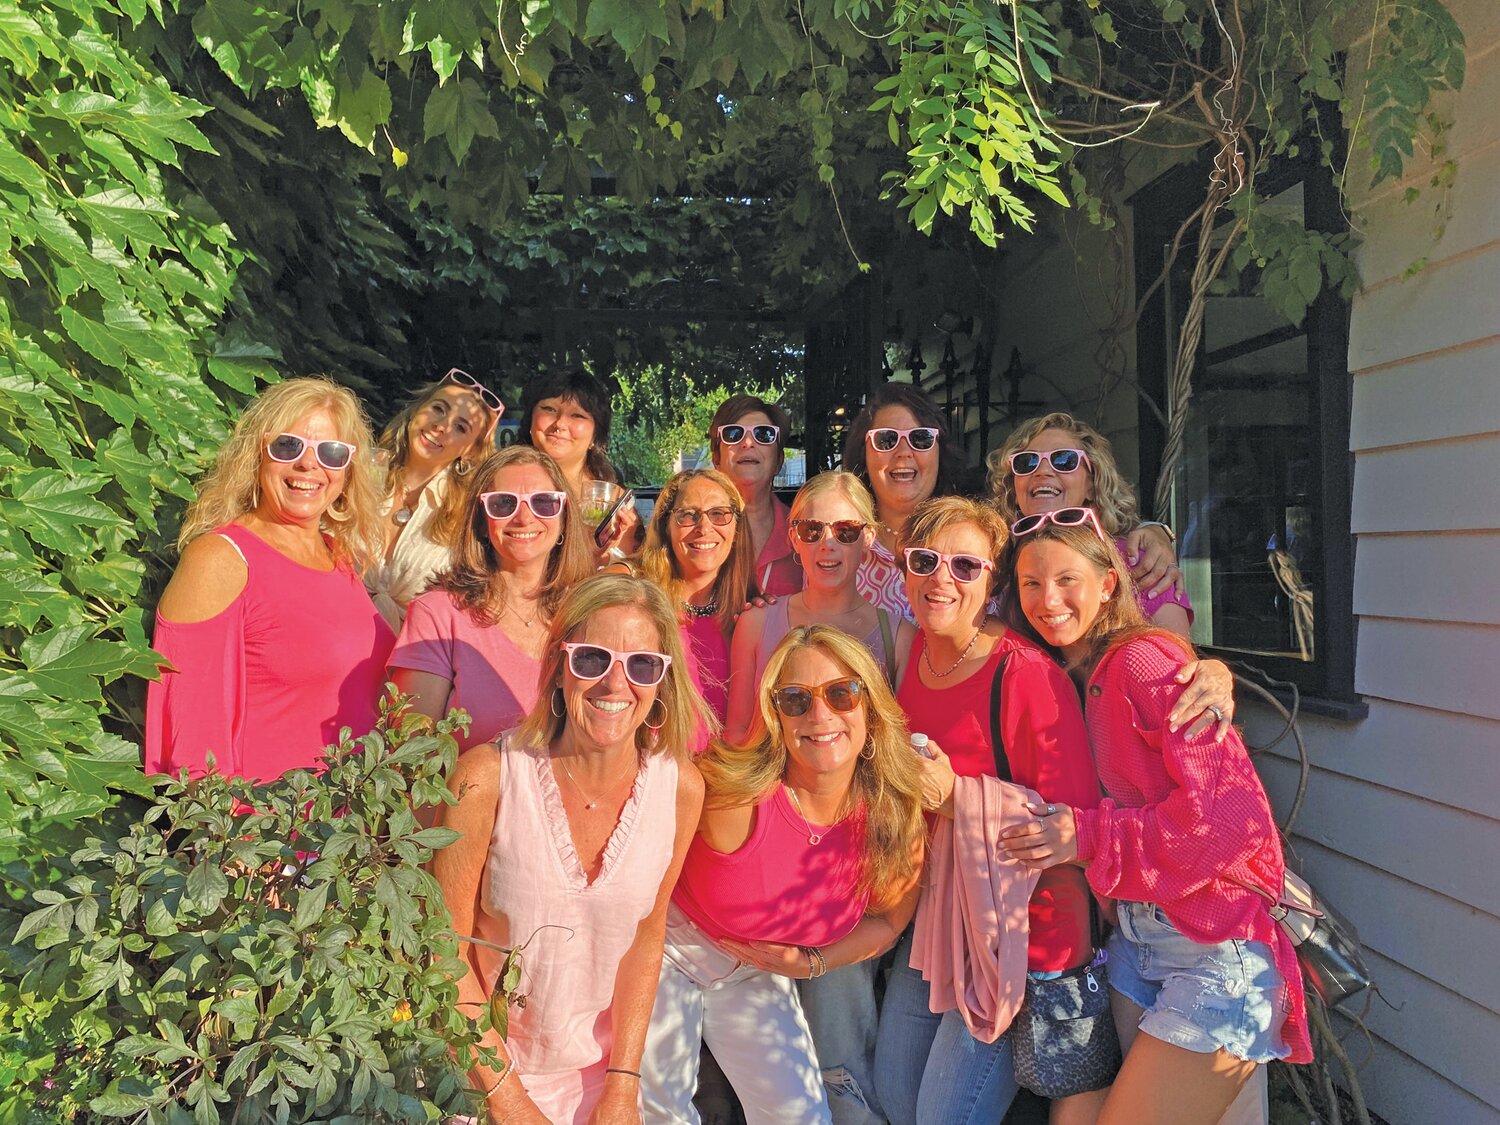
(587, 803)
(814, 836)
(968, 648)
(506, 607)
(703, 610)
(404, 513)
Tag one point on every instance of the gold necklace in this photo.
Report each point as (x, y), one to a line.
(593, 804)
(505, 607)
(813, 835)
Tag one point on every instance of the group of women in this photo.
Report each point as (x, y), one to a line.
(817, 786)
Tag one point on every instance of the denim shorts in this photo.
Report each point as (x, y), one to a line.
(1200, 997)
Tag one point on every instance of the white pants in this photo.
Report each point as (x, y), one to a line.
(752, 1022)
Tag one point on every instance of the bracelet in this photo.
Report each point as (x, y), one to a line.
(510, 1068)
(621, 1070)
(1171, 535)
(816, 964)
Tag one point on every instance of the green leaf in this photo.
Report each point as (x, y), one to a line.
(207, 886)
(69, 662)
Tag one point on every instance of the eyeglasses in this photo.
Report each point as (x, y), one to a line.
(795, 700)
(690, 517)
(464, 379)
(734, 433)
(332, 455)
(922, 438)
(1028, 461)
(503, 505)
(1063, 517)
(593, 662)
(923, 561)
(846, 532)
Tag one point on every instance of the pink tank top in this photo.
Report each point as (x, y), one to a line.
(266, 684)
(534, 883)
(777, 886)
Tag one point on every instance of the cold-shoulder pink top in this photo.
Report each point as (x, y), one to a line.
(266, 684)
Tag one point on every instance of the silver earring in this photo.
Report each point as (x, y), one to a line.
(557, 704)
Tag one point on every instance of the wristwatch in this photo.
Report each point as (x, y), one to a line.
(1171, 535)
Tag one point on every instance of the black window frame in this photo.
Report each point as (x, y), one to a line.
(1327, 682)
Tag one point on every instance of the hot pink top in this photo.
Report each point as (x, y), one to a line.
(1170, 596)
(266, 684)
(777, 886)
(493, 680)
(1186, 820)
(707, 651)
(778, 571)
(534, 886)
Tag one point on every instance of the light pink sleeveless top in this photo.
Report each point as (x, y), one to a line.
(534, 884)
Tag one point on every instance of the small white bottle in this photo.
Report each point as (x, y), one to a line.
(919, 744)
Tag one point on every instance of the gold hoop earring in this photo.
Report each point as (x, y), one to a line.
(868, 753)
(557, 704)
(462, 467)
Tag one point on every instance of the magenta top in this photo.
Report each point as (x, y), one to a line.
(778, 886)
(707, 651)
(1170, 596)
(493, 680)
(266, 684)
(778, 570)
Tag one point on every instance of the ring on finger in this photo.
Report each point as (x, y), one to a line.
(1215, 712)
(1051, 810)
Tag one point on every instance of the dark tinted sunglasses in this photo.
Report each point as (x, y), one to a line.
(923, 561)
(922, 438)
(794, 700)
(503, 505)
(1028, 461)
(1063, 517)
(287, 448)
(734, 433)
(845, 531)
(593, 662)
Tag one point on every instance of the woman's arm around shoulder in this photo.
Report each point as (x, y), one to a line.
(640, 968)
(209, 577)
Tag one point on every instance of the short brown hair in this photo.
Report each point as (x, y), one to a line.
(735, 407)
(942, 512)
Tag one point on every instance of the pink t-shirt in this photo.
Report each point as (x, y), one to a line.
(268, 682)
(777, 886)
(493, 680)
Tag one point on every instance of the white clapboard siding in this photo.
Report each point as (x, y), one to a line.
(1405, 1092)
(1450, 667)
(1449, 394)
(1431, 845)
(1450, 485)
(1439, 756)
(1450, 303)
(1429, 577)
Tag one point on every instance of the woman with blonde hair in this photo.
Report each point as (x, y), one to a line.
(271, 643)
(698, 550)
(1059, 465)
(807, 859)
(475, 641)
(429, 447)
(577, 822)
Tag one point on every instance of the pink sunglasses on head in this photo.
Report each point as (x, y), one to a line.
(1063, 517)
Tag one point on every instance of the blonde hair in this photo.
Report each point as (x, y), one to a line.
(231, 488)
(735, 583)
(1120, 619)
(395, 439)
(683, 711)
(846, 484)
(933, 517)
(886, 791)
(475, 579)
(1111, 498)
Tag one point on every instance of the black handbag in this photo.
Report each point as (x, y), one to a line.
(1328, 948)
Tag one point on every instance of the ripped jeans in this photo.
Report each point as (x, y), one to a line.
(840, 1011)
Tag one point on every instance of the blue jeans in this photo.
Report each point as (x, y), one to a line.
(928, 1069)
(840, 1011)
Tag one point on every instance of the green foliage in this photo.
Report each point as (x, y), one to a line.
(271, 952)
(114, 370)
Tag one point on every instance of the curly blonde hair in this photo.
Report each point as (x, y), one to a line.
(395, 440)
(684, 712)
(231, 488)
(735, 584)
(886, 791)
(475, 580)
(1111, 498)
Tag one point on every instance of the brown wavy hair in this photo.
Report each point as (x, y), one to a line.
(735, 407)
(886, 789)
(927, 413)
(935, 516)
(231, 487)
(684, 710)
(476, 580)
(395, 440)
(1112, 499)
(1120, 619)
(735, 584)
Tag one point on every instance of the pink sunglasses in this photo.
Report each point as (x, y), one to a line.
(1063, 517)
